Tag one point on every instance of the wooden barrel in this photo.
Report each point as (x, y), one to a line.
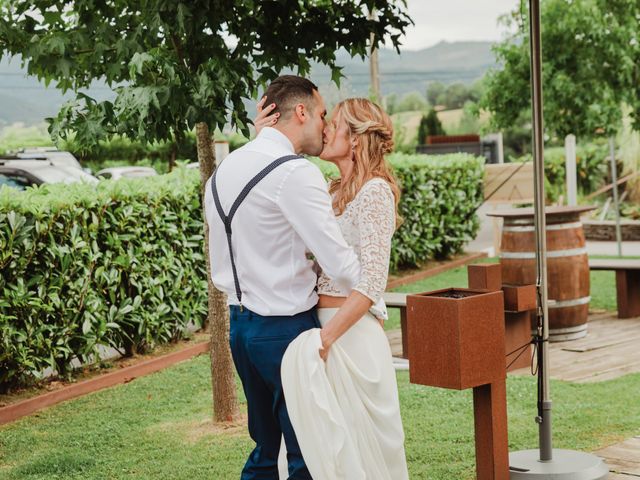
(567, 268)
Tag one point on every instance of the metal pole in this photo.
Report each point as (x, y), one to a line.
(544, 407)
(616, 204)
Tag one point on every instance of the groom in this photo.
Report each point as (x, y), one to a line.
(266, 206)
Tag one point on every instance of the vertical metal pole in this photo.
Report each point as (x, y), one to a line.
(616, 204)
(544, 419)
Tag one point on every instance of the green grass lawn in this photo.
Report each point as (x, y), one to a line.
(603, 288)
(158, 427)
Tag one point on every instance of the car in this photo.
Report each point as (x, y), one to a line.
(23, 173)
(57, 157)
(118, 172)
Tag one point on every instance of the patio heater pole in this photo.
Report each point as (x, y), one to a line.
(546, 462)
(542, 313)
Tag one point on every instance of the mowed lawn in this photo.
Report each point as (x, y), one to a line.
(158, 427)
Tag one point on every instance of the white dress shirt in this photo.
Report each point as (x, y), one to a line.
(285, 215)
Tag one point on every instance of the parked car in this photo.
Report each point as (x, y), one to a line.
(133, 171)
(57, 157)
(23, 173)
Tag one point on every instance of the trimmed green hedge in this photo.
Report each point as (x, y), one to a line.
(122, 264)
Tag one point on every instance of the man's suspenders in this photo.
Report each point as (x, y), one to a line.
(226, 219)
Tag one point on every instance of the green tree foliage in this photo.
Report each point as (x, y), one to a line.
(411, 102)
(590, 53)
(454, 95)
(174, 64)
(435, 90)
(429, 125)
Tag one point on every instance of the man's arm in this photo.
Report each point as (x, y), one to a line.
(306, 203)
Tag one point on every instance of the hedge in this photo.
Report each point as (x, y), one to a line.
(122, 264)
(119, 265)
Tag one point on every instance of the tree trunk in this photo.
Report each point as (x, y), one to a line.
(172, 158)
(225, 400)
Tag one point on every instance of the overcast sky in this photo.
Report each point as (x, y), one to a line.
(454, 20)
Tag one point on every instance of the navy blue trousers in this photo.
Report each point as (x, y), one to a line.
(257, 346)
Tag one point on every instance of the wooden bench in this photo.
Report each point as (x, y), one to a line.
(627, 283)
(399, 300)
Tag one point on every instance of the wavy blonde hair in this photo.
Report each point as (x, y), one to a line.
(374, 131)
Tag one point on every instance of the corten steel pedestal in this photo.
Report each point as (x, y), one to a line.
(568, 264)
(519, 301)
(456, 340)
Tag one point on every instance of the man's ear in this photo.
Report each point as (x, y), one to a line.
(300, 112)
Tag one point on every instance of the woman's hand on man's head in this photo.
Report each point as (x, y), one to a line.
(265, 118)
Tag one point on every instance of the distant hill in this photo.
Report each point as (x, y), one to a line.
(447, 62)
(25, 99)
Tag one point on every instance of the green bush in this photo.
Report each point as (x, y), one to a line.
(591, 166)
(119, 265)
(122, 264)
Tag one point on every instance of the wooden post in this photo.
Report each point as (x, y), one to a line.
(490, 422)
(403, 329)
(373, 65)
(627, 283)
(222, 150)
(570, 167)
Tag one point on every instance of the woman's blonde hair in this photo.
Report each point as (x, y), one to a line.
(374, 131)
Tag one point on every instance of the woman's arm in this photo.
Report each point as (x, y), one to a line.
(352, 310)
(376, 224)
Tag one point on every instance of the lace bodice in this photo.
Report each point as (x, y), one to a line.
(367, 225)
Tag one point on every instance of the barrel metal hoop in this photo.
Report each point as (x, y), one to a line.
(574, 302)
(572, 252)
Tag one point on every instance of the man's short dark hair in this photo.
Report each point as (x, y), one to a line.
(287, 91)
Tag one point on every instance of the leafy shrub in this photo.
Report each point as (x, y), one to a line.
(591, 166)
(120, 265)
(429, 125)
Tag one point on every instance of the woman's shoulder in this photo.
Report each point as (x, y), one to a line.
(376, 186)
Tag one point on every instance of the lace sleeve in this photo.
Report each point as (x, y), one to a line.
(376, 224)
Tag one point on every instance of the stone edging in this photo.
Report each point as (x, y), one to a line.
(605, 230)
(17, 410)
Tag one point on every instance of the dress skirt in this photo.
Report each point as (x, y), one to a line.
(345, 412)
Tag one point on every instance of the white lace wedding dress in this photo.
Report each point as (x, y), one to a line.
(346, 412)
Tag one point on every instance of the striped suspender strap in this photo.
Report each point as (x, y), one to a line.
(227, 219)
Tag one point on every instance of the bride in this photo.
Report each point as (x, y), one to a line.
(343, 403)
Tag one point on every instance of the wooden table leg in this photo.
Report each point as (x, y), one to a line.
(628, 288)
(403, 332)
(490, 420)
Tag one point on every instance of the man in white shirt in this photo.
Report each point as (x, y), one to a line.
(270, 224)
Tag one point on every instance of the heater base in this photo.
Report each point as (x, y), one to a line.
(566, 465)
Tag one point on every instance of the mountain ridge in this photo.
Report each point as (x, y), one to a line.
(25, 99)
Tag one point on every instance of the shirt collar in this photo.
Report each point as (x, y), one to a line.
(269, 133)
